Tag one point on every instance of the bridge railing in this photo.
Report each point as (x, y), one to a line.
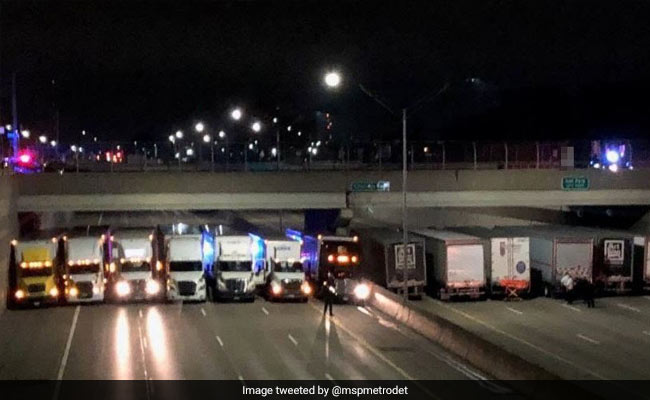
(372, 155)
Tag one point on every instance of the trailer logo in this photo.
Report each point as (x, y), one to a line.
(410, 256)
(614, 252)
(521, 267)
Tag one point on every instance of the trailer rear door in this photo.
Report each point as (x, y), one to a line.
(575, 257)
(465, 263)
(510, 259)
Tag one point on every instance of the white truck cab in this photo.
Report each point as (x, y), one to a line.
(238, 267)
(186, 257)
(285, 275)
(134, 264)
(84, 266)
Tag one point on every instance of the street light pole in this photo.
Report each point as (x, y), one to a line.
(404, 212)
(277, 145)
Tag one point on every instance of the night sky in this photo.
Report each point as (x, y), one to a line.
(141, 70)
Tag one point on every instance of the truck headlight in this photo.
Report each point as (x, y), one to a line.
(152, 287)
(54, 292)
(74, 292)
(306, 288)
(276, 288)
(122, 288)
(20, 294)
(362, 291)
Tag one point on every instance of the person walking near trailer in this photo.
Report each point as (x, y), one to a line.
(328, 293)
(567, 283)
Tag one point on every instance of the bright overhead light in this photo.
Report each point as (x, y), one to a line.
(53, 143)
(222, 134)
(612, 156)
(199, 127)
(332, 79)
(25, 133)
(172, 138)
(236, 114)
(256, 126)
(42, 139)
(179, 134)
(206, 138)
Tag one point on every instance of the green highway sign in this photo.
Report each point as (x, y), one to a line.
(379, 186)
(575, 183)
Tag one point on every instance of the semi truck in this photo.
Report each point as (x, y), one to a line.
(284, 269)
(641, 275)
(507, 259)
(455, 262)
(136, 266)
(85, 259)
(335, 255)
(35, 271)
(555, 251)
(238, 268)
(187, 257)
(383, 262)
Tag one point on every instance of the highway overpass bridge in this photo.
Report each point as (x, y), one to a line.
(321, 190)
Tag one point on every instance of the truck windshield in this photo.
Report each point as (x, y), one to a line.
(84, 269)
(46, 271)
(185, 266)
(284, 266)
(234, 266)
(129, 266)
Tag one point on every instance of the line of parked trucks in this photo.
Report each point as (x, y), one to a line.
(98, 264)
(478, 262)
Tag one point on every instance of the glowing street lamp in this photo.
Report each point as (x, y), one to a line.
(179, 134)
(332, 79)
(236, 114)
(199, 127)
(172, 138)
(256, 126)
(206, 138)
(25, 133)
(42, 139)
(222, 134)
(53, 143)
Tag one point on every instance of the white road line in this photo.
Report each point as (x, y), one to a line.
(363, 310)
(144, 361)
(527, 343)
(587, 339)
(68, 344)
(514, 310)
(144, 342)
(220, 341)
(328, 376)
(241, 378)
(571, 307)
(626, 307)
(203, 312)
(293, 340)
(140, 313)
(265, 311)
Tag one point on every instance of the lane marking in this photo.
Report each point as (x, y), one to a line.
(514, 310)
(203, 312)
(66, 352)
(144, 360)
(220, 341)
(140, 313)
(367, 345)
(527, 343)
(626, 307)
(363, 310)
(587, 339)
(241, 378)
(570, 307)
(265, 311)
(144, 342)
(328, 376)
(293, 340)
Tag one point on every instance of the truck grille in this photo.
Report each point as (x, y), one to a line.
(36, 288)
(235, 285)
(138, 286)
(186, 288)
(85, 289)
(293, 284)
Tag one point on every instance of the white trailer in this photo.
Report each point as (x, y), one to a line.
(187, 256)
(641, 262)
(134, 266)
(285, 275)
(507, 257)
(456, 263)
(555, 251)
(238, 267)
(85, 268)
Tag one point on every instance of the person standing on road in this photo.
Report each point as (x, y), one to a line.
(329, 293)
(589, 294)
(567, 283)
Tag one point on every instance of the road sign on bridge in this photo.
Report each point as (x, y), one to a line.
(379, 186)
(575, 183)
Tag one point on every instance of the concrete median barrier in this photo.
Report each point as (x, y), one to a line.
(482, 354)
